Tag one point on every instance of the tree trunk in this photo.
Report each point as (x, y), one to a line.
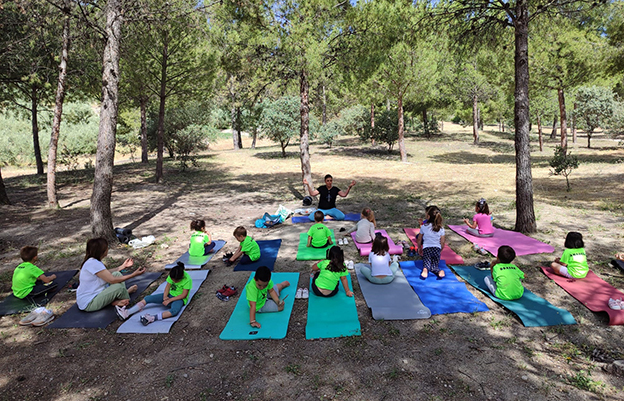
(160, 136)
(425, 123)
(58, 110)
(475, 119)
(387, 104)
(143, 106)
(35, 129)
(564, 121)
(574, 124)
(539, 133)
(503, 126)
(401, 129)
(372, 122)
(479, 119)
(525, 213)
(4, 198)
(238, 128)
(553, 133)
(589, 135)
(324, 121)
(254, 136)
(101, 217)
(304, 133)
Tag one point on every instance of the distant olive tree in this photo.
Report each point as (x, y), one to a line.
(595, 106)
(280, 120)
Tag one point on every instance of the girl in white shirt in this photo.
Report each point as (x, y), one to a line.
(430, 243)
(381, 270)
(365, 227)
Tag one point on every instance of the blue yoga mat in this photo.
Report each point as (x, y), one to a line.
(268, 255)
(306, 219)
(332, 317)
(531, 309)
(273, 325)
(447, 295)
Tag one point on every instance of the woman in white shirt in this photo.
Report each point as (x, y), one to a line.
(98, 286)
(382, 269)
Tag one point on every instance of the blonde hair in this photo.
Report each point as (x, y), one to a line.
(370, 215)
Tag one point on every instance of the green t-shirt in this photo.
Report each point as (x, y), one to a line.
(24, 279)
(254, 294)
(250, 248)
(326, 279)
(576, 259)
(175, 289)
(198, 239)
(319, 233)
(507, 278)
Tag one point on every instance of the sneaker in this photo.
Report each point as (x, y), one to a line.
(223, 289)
(339, 242)
(483, 265)
(482, 251)
(27, 321)
(222, 297)
(43, 318)
(299, 293)
(230, 291)
(615, 304)
(476, 247)
(350, 265)
(345, 242)
(305, 293)
(122, 312)
(147, 319)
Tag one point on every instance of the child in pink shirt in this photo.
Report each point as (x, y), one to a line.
(481, 225)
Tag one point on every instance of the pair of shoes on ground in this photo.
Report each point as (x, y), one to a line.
(616, 304)
(226, 258)
(38, 317)
(343, 241)
(412, 252)
(227, 291)
(479, 249)
(483, 265)
(349, 264)
(302, 293)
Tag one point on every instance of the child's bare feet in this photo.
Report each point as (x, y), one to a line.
(424, 274)
(619, 256)
(441, 274)
(133, 289)
(283, 285)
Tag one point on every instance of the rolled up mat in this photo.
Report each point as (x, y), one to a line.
(332, 317)
(591, 291)
(134, 325)
(365, 249)
(197, 262)
(532, 310)
(448, 255)
(11, 305)
(268, 255)
(306, 219)
(618, 264)
(274, 325)
(442, 296)
(522, 244)
(305, 252)
(393, 301)
(75, 318)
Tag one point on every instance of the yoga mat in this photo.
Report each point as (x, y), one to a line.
(12, 305)
(75, 318)
(365, 249)
(448, 255)
(197, 262)
(306, 219)
(274, 325)
(134, 325)
(532, 310)
(522, 244)
(447, 295)
(268, 255)
(393, 301)
(308, 253)
(332, 317)
(618, 264)
(591, 291)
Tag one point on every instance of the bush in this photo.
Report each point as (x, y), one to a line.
(280, 120)
(563, 163)
(330, 131)
(386, 129)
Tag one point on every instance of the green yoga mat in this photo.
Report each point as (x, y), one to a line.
(332, 317)
(531, 309)
(274, 324)
(309, 253)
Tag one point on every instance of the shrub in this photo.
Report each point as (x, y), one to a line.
(386, 129)
(280, 120)
(563, 163)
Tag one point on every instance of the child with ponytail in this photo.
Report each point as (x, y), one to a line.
(431, 242)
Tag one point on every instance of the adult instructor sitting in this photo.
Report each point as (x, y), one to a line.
(327, 198)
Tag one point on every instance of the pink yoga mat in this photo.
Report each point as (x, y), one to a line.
(366, 248)
(591, 291)
(448, 255)
(522, 244)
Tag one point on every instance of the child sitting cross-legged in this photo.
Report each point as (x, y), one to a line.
(505, 282)
(319, 236)
(328, 273)
(175, 296)
(26, 275)
(573, 261)
(263, 295)
(248, 251)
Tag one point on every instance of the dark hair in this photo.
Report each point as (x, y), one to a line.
(28, 253)
(240, 232)
(336, 260)
(327, 176)
(380, 245)
(96, 248)
(263, 273)
(506, 254)
(434, 217)
(177, 272)
(198, 225)
(574, 240)
(482, 206)
(319, 216)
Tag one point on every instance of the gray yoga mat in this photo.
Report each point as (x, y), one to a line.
(394, 301)
(134, 325)
(197, 262)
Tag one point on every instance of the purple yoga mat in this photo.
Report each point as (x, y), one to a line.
(522, 244)
(365, 249)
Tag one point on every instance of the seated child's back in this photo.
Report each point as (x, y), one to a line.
(507, 276)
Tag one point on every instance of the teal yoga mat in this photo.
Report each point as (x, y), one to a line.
(332, 317)
(274, 325)
(309, 253)
(532, 310)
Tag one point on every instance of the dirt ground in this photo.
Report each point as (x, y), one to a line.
(488, 355)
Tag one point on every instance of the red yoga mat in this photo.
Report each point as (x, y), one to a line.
(448, 255)
(591, 291)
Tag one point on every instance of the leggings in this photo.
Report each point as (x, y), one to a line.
(209, 247)
(174, 307)
(431, 259)
(475, 232)
(318, 292)
(335, 213)
(366, 271)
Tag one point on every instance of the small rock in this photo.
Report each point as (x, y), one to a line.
(212, 355)
(525, 378)
(185, 375)
(147, 361)
(229, 394)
